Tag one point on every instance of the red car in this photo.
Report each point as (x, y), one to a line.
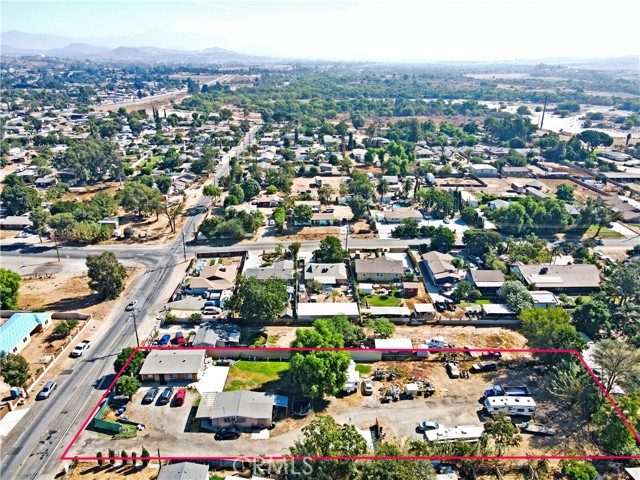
(179, 397)
(179, 338)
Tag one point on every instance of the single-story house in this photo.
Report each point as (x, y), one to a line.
(308, 312)
(571, 279)
(282, 270)
(544, 299)
(440, 268)
(213, 278)
(314, 204)
(396, 215)
(184, 471)
(483, 170)
(267, 201)
(515, 171)
(46, 182)
(322, 219)
(628, 176)
(326, 273)
(487, 281)
(358, 154)
(241, 409)
(15, 222)
(630, 209)
(468, 199)
(216, 334)
(410, 289)
(379, 270)
(495, 204)
(174, 364)
(16, 331)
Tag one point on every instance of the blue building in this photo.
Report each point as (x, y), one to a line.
(16, 331)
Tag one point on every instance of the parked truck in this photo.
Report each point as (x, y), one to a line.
(507, 391)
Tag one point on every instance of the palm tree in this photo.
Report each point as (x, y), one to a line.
(382, 188)
(406, 187)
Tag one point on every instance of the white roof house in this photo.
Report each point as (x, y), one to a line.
(313, 311)
(393, 343)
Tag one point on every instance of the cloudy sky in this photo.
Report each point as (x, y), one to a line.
(390, 30)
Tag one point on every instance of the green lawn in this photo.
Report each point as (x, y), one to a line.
(253, 339)
(392, 300)
(363, 369)
(246, 375)
(604, 233)
(483, 302)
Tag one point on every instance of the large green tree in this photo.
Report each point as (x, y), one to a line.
(330, 251)
(516, 296)
(502, 431)
(106, 275)
(613, 435)
(618, 362)
(92, 159)
(550, 329)
(19, 199)
(141, 199)
(259, 300)
(14, 369)
(591, 317)
(480, 242)
(134, 366)
(319, 373)
(390, 469)
(358, 207)
(9, 288)
(324, 437)
(127, 386)
(594, 139)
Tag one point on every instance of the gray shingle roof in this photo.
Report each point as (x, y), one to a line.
(184, 471)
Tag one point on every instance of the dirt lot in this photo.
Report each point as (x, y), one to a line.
(91, 470)
(485, 337)
(302, 184)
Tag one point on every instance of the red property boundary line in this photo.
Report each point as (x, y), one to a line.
(362, 457)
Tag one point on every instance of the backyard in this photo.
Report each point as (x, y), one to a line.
(245, 375)
(388, 300)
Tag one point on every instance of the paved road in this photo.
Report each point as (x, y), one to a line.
(33, 447)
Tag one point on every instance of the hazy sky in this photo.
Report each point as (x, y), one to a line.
(401, 30)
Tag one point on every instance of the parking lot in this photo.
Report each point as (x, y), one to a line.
(456, 402)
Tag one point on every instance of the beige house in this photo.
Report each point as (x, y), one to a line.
(379, 270)
(241, 409)
(172, 364)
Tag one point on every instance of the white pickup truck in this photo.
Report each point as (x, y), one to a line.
(80, 348)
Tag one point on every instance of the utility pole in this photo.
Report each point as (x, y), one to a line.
(55, 241)
(135, 326)
(184, 247)
(544, 109)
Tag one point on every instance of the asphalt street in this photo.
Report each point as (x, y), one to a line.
(33, 448)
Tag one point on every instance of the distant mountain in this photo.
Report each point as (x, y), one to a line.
(33, 41)
(76, 50)
(123, 49)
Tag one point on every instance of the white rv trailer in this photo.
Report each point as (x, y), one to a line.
(510, 405)
(465, 433)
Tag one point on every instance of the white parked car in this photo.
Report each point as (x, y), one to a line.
(368, 387)
(80, 348)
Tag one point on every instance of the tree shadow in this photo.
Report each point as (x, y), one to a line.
(74, 303)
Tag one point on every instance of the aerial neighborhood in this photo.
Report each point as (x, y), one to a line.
(289, 260)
